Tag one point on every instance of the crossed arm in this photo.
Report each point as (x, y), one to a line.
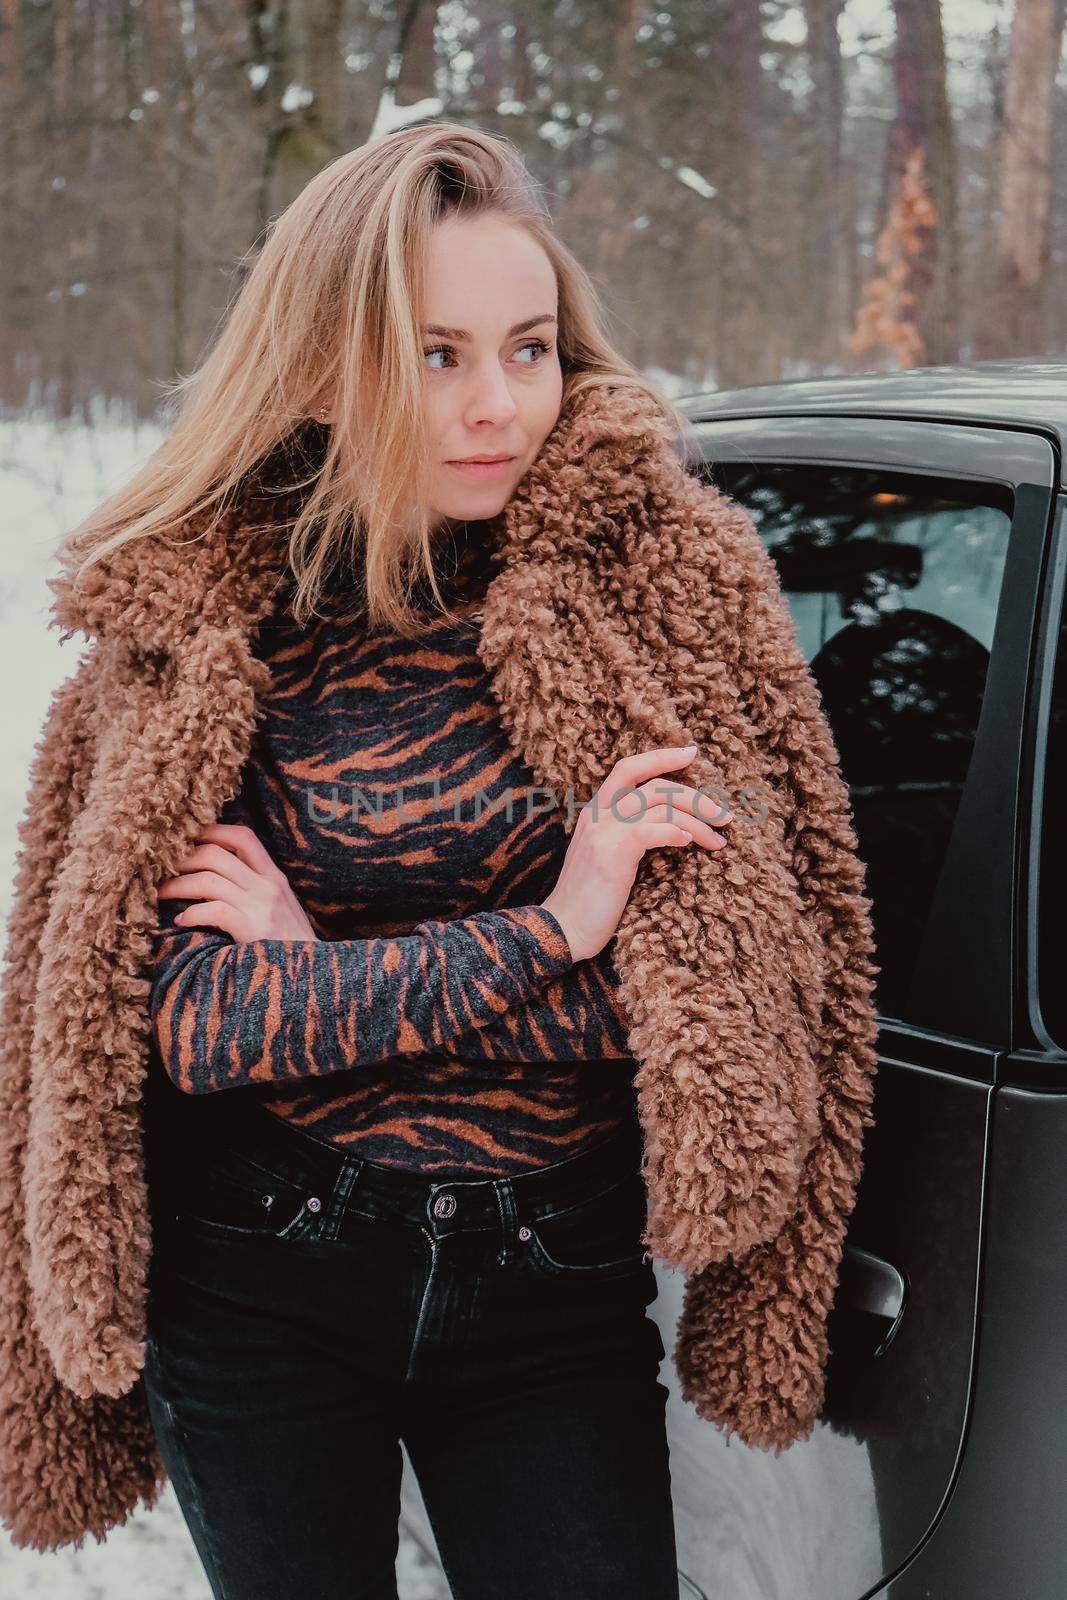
(494, 985)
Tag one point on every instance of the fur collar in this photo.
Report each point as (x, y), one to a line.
(608, 457)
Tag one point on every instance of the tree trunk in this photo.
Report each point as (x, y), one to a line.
(826, 246)
(923, 121)
(1019, 325)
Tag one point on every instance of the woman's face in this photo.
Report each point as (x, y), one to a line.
(493, 381)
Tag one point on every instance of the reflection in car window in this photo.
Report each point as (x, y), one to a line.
(893, 581)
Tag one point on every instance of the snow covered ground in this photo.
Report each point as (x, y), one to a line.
(152, 1557)
(52, 478)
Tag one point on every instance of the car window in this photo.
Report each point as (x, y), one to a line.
(893, 580)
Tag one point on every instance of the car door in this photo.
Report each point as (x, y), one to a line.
(911, 554)
(1003, 1531)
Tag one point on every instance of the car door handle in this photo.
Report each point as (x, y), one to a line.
(873, 1292)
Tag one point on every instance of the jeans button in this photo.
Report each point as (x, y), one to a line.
(444, 1205)
(314, 1204)
(524, 1233)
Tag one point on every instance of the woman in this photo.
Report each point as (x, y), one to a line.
(406, 1074)
(414, 1087)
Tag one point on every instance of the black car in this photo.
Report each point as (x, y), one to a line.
(919, 524)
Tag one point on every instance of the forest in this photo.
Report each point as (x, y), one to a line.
(761, 189)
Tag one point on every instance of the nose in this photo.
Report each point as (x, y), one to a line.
(491, 399)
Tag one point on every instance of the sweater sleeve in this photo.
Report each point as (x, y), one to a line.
(226, 1013)
(578, 1016)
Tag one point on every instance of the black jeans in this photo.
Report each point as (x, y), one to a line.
(308, 1310)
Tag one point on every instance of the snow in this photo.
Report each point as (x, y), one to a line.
(152, 1557)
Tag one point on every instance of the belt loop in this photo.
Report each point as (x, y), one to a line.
(342, 1188)
(505, 1199)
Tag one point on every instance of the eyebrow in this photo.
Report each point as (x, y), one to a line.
(461, 333)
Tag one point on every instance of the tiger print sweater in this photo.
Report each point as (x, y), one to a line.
(438, 1022)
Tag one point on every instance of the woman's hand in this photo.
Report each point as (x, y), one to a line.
(601, 862)
(244, 893)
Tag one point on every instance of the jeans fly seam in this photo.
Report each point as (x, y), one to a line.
(505, 1199)
(424, 1304)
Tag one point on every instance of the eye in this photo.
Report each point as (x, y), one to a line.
(439, 350)
(535, 344)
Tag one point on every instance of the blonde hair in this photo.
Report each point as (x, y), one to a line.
(331, 312)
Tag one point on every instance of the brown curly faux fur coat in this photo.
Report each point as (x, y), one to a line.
(634, 606)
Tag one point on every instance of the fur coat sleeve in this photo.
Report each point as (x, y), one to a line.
(60, 1466)
(752, 1346)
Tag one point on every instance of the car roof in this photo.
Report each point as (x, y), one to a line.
(1008, 392)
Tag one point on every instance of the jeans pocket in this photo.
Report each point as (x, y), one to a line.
(600, 1234)
(233, 1195)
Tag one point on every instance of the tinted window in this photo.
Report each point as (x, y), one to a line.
(893, 580)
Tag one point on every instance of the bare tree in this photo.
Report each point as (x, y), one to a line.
(1024, 180)
(923, 121)
(827, 247)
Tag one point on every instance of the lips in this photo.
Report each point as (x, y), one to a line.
(482, 469)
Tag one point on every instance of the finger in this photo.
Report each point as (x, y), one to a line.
(646, 763)
(708, 798)
(216, 858)
(685, 819)
(244, 842)
(711, 802)
(215, 914)
(661, 802)
(660, 833)
(199, 886)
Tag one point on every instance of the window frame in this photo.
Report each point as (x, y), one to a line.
(981, 911)
(1052, 639)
